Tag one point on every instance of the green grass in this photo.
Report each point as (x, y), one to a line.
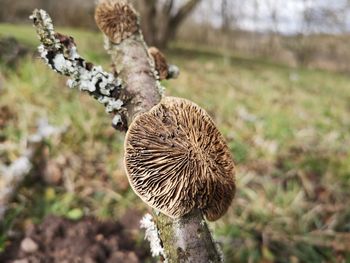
(288, 130)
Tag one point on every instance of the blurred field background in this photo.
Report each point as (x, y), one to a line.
(280, 95)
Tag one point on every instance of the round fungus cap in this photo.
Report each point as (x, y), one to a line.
(117, 19)
(177, 160)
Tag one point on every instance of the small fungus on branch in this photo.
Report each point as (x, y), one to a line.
(177, 160)
(164, 70)
(117, 19)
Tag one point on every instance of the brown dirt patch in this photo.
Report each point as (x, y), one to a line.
(88, 240)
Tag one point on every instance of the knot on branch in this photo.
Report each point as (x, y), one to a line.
(116, 19)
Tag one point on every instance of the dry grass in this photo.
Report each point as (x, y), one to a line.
(319, 51)
(288, 129)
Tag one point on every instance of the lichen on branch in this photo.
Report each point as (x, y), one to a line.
(152, 235)
(60, 53)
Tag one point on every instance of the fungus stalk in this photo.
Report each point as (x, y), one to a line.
(133, 89)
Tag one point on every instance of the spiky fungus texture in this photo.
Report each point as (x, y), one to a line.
(116, 19)
(177, 160)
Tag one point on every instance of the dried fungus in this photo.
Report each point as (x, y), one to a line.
(177, 160)
(159, 62)
(117, 19)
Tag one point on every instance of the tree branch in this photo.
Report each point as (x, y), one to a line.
(188, 239)
(138, 89)
(168, 6)
(60, 54)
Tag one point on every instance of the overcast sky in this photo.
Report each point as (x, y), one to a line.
(256, 14)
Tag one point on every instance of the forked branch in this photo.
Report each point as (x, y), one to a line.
(134, 88)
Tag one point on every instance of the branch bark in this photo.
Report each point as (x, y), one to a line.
(186, 239)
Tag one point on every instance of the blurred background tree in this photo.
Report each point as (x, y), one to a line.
(77, 13)
(301, 32)
(162, 18)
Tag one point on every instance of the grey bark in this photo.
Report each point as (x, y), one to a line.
(188, 239)
(133, 65)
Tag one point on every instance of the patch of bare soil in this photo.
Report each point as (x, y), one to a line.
(88, 240)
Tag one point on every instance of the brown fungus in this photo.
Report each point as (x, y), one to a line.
(160, 62)
(177, 160)
(116, 19)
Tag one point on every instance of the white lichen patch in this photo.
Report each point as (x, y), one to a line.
(103, 99)
(19, 167)
(93, 80)
(174, 71)
(45, 31)
(116, 120)
(161, 88)
(113, 105)
(152, 235)
(45, 130)
(43, 53)
(47, 22)
(62, 65)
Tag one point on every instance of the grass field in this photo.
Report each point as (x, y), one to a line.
(288, 130)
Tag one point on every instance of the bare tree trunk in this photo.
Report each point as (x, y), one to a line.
(148, 12)
(272, 6)
(160, 21)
